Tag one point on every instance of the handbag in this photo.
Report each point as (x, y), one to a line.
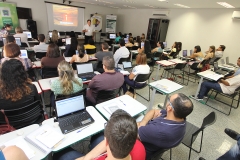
(5, 128)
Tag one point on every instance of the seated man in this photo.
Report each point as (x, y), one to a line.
(42, 47)
(219, 52)
(122, 52)
(164, 129)
(109, 80)
(227, 86)
(100, 54)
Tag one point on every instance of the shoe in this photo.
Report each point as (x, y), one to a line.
(201, 158)
(231, 133)
(198, 99)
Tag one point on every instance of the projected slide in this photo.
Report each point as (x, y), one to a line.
(65, 16)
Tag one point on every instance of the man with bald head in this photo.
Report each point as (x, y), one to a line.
(164, 129)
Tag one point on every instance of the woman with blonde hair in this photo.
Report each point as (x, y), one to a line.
(66, 83)
(55, 39)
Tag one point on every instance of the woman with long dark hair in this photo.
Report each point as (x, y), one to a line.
(81, 56)
(71, 48)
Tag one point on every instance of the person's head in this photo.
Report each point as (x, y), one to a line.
(11, 50)
(147, 46)
(13, 80)
(81, 51)
(18, 30)
(221, 48)
(74, 43)
(105, 46)
(121, 134)
(138, 39)
(212, 49)
(66, 75)
(8, 27)
(10, 39)
(141, 59)
(197, 49)
(89, 22)
(122, 42)
(72, 34)
(90, 41)
(130, 40)
(53, 51)
(54, 36)
(108, 63)
(41, 37)
(143, 35)
(179, 105)
(174, 45)
(179, 46)
(238, 62)
(130, 34)
(119, 34)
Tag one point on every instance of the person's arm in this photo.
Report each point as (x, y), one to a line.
(154, 50)
(154, 113)
(131, 76)
(73, 59)
(13, 153)
(140, 50)
(224, 82)
(95, 152)
(208, 56)
(193, 56)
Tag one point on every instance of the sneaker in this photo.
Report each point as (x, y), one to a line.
(198, 99)
(231, 133)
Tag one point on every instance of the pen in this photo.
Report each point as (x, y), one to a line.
(122, 102)
(82, 129)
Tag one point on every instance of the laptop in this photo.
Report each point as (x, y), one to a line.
(17, 39)
(191, 52)
(72, 114)
(165, 44)
(85, 71)
(184, 53)
(127, 65)
(23, 53)
(126, 40)
(68, 41)
(29, 35)
(222, 61)
(50, 34)
(112, 36)
(142, 44)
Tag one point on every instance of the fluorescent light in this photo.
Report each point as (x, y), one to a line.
(129, 6)
(180, 5)
(225, 4)
(150, 6)
(113, 7)
(162, 0)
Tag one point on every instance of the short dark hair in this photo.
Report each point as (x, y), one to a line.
(10, 39)
(183, 106)
(198, 48)
(223, 47)
(90, 41)
(89, 20)
(108, 62)
(41, 37)
(122, 42)
(53, 51)
(161, 44)
(121, 134)
(12, 50)
(105, 46)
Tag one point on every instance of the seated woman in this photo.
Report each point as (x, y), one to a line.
(143, 37)
(119, 36)
(146, 48)
(16, 89)
(159, 47)
(71, 48)
(210, 53)
(12, 51)
(66, 83)
(141, 68)
(197, 54)
(56, 39)
(23, 36)
(138, 42)
(130, 42)
(90, 45)
(52, 58)
(81, 56)
(173, 51)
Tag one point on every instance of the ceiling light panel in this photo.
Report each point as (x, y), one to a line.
(129, 1)
(149, 6)
(181, 5)
(225, 4)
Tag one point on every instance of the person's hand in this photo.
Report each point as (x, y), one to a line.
(157, 113)
(81, 158)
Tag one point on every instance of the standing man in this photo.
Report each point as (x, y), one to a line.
(88, 30)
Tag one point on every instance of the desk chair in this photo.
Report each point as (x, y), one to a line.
(100, 67)
(105, 95)
(142, 78)
(177, 71)
(91, 51)
(49, 72)
(211, 62)
(192, 132)
(232, 97)
(156, 57)
(157, 155)
(190, 71)
(24, 116)
(40, 55)
(23, 44)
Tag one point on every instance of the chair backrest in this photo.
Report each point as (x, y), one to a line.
(209, 120)
(91, 51)
(81, 92)
(100, 67)
(180, 65)
(123, 60)
(24, 116)
(175, 54)
(105, 95)
(158, 154)
(214, 59)
(23, 44)
(194, 65)
(40, 54)
(49, 72)
(157, 54)
(134, 47)
(143, 77)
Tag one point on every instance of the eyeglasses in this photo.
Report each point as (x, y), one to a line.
(170, 103)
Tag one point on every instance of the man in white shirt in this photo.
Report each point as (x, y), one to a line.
(42, 47)
(219, 52)
(23, 36)
(88, 30)
(122, 52)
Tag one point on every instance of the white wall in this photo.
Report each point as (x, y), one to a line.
(192, 27)
(39, 12)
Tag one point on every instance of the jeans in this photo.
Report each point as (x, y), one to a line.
(233, 153)
(206, 86)
(71, 154)
(131, 83)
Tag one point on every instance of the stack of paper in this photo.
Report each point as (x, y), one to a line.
(165, 63)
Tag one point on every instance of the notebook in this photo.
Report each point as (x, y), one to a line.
(85, 71)
(72, 114)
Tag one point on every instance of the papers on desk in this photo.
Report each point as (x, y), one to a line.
(124, 72)
(165, 63)
(162, 87)
(213, 76)
(118, 104)
(177, 61)
(111, 108)
(21, 143)
(44, 138)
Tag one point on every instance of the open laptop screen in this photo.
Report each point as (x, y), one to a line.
(112, 36)
(165, 44)
(84, 68)
(29, 34)
(184, 53)
(191, 52)
(127, 64)
(18, 41)
(70, 105)
(68, 41)
(23, 53)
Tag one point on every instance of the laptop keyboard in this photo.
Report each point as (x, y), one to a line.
(82, 117)
(87, 76)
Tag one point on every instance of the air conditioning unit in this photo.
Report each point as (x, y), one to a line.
(161, 13)
(236, 15)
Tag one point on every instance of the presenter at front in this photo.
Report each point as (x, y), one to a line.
(88, 29)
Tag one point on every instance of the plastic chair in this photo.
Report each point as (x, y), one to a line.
(157, 155)
(49, 72)
(40, 55)
(24, 116)
(192, 132)
(177, 70)
(105, 95)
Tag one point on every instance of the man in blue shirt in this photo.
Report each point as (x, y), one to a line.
(164, 129)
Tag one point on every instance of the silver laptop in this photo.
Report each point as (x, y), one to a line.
(23, 53)
(85, 71)
(127, 65)
(72, 114)
(17, 39)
